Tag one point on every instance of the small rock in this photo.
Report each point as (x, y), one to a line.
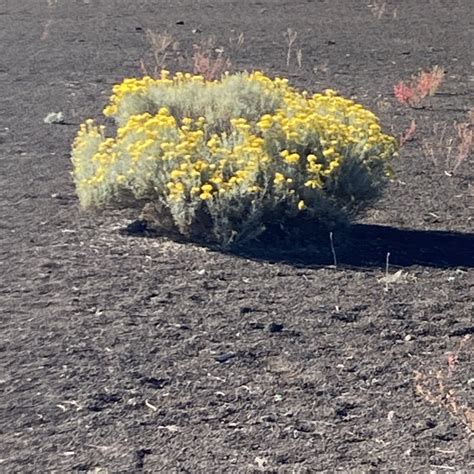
(346, 317)
(225, 357)
(54, 117)
(275, 327)
(140, 456)
(60, 197)
(156, 383)
(134, 402)
(444, 435)
(431, 423)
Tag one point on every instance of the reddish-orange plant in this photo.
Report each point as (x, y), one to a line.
(422, 85)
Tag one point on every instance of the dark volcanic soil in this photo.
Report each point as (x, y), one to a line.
(122, 353)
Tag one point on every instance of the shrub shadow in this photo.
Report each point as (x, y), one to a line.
(358, 245)
(362, 245)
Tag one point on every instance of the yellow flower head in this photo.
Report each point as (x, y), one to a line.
(207, 188)
(279, 178)
(292, 158)
(205, 196)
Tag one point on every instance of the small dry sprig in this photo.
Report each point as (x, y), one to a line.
(236, 42)
(421, 85)
(464, 147)
(160, 44)
(377, 8)
(299, 58)
(209, 61)
(46, 29)
(333, 250)
(322, 68)
(438, 144)
(470, 116)
(455, 148)
(434, 388)
(408, 134)
(290, 36)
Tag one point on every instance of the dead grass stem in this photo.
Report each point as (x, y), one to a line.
(456, 147)
(161, 46)
(290, 36)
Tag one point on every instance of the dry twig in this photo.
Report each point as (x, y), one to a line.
(407, 135)
(160, 43)
(290, 39)
(456, 148)
(377, 8)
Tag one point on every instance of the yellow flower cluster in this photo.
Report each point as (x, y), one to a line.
(131, 86)
(289, 151)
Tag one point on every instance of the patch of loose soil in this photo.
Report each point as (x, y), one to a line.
(129, 354)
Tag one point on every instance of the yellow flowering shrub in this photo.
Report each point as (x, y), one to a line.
(220, 161)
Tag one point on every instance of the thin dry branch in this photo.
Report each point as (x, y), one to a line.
(290, 36)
